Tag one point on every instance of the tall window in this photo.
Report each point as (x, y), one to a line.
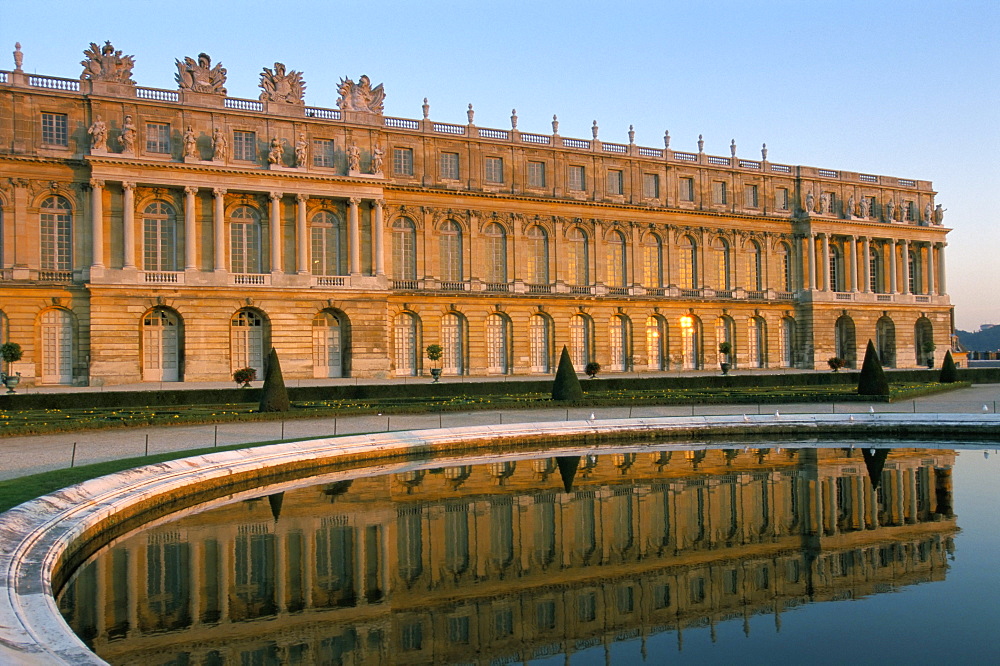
(327, 351)
(247, 341)
(651, 185)
(719, 192)
(656, 343)
(451, 251)
(244, 237)
(875, 280)
(159, 237)
(244, 146)
(788, 342)
(577, 178)
(652, 255)
(494, 169)
(687, 251)
(157, 137)
(536, 174)
(836, 269)
(540, 336)
(326, 236)
(404, 249)
(323, 152)
(750, 199)
(755, 342)
(616, 182)
(54, 129)
(754, 277)
(538, 257)
(913, 271)
(56, 217)
(686, 189)
(57, 346)
(449, 166)
(723, 273)
(497, 335)
(453, 341)
(495, 247)
(580, 341)
(619, 343)
(784, 266)
(616, 259)
(405, 343)
(690, 341)
(781, 198)
(578, 257)
(402, 161)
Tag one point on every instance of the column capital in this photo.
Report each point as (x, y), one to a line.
(354, 201)
(96, 182)
(128, 185)
(378, 203)
(219, 191)
(302, 198)
(275, 195)
(191, 189)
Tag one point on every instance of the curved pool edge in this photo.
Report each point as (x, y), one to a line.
(38, 535)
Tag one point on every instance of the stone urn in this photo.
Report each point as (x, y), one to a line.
(436, 374)
(10, 381)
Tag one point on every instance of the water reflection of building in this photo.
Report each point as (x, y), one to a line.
(498, 562)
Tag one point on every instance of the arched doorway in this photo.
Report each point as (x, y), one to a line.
(57, 346)
(406, 335)
(788, 342)
(847, 348)
(248, 337)
(330, 344)
(453, 341)
(580, 341)
(619, 342)
(923, 337)
(161, 342)
(757, 342)
(540, 340)
(885, 341)
(497, 344)
(656, 343)
(691, 341)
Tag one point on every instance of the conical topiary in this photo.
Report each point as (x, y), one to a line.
(872, 380)
(567, 384)
(274, 395)
(949, 372)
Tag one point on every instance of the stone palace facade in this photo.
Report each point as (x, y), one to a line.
(177, 235)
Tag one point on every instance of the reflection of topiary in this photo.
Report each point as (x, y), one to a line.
(244, 376)
(274, 397)
(949, 372)
(567, 384)
(592, 368)
(872, 380)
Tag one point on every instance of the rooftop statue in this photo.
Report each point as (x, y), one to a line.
(361, 96)
(105, 64)
(280, 86)
(200, 76)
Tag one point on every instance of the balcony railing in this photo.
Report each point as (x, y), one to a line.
(254, 279)
(329, 280)
(162, 277)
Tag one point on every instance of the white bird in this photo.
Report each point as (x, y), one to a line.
(985, 409)
(592, 416)
(871, 410)
(746, 418)
(777, 413)
(852, 446)
(871, 451)
(852, 418)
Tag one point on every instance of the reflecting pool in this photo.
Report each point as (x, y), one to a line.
(821, 553)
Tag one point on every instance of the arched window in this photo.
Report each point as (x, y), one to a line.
(784, 255)
(836, 269)
(788, 342)
(923, 336)
(580, 341)
(406, 339)
(885, 341)
(619, 342)
(495, 249)
(404, 249)
(691, 341)
(538, 255)
(652, 255)
(757, 342)
(616, 259)
(247, 341)
(845, 340)
(244, 235)
(160, 346)
(453, 341)
(540, 339)
(876, 281)
(57, 346)
(328, 345)
(656, 343)
(754, 273)
(56, 217)
(723, 274)
(497, 344)
(451, 251)
(159, 237)
(687, 263)
(578, 257)
(327, 235)
(725, 331)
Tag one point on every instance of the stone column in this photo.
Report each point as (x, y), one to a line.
(276, 232)
(809, 259)
(930, 269)
(853, 262)
(893, 277)
(378, 210)
(97, 222)
(354, 236)
(824, 279)
(190, 231)
(219, 225)
(301, 235)
(128, 224)
(942, 285)
(866, 268)
(906, 267)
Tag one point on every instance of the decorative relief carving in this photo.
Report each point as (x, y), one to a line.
(200, 76)
(282, 86)
(105, 64)
(361, 96)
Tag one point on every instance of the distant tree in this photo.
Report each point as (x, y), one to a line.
(949, 373)
(872, 380)
(274, 396)
(566, 385)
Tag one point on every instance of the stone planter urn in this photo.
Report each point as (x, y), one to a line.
(10, 381)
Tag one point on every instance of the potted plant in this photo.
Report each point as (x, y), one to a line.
(11, 353)
(592, 369)
(725, 349)
(244, 376)
(928, 347)
(434, 353)
(835, 363)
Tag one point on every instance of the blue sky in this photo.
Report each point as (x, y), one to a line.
(907, 89)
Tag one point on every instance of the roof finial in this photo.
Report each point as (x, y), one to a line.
(594, 130)
(631, 134)
(513, 118)
(470, 113)
(427, 109)
(18, 57)
(666, 139)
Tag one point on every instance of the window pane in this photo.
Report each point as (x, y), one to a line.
(157, 138)
(577, 178)
(244, 146)
(651, 185)
(323, 152)
(54, 132)
(536, 174)
(494, 169)
(449, 166)
(402, 161)
(615, 182)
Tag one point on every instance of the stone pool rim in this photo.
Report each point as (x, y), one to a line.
(41, 538)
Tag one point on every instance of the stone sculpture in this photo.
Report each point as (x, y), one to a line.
(824, 204)
(939, 214)
(190, 143)
(361, 96)
(274, 154)
(301, 148)
(353, 158)
(850, 207)
(105, 64)
(18, 57)
(865, 212)
(200, 76)
(928, 211)
(220, 146)
(377, 156)
(890, 208)
(282, 86)
(98, 132)
(127, 137)
(810, 203)
(763, 151)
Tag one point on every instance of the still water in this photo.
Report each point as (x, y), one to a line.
(819, 554)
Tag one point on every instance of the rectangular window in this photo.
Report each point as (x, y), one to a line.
(323, 152)
(157, 138)
(908, 209)
(545, 613)
(244, 146)
(402, 161)
(718, 192)
(781, 198)
(750, 196)
(54, 129)
(494, 169)
(651, 185)
(449, 166)
(872, 207)
(616, 182)
(687, 189)
(577, 178)
(536, 174)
